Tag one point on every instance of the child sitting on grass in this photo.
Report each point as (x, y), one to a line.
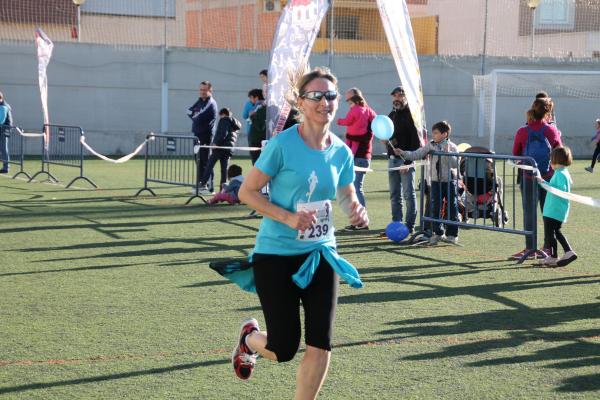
(444, 178)
(230, 190)
(556, 209)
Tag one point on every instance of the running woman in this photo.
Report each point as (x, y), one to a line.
(295, 260)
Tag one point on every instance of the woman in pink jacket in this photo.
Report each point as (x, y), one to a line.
(359, 138)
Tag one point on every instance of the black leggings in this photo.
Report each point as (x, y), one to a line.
(596, 154)
(552, 233)
(280, 300)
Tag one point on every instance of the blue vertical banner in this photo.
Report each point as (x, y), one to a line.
(297, 29)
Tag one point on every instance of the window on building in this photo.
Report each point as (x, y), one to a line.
(555, 14)
(345, 27)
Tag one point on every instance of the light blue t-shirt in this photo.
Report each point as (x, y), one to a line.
(556, 207)
(296, 171)
(3, 113)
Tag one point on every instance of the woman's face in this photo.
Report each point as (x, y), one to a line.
(322, 111)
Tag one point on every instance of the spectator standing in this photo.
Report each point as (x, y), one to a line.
(536, 139)
(595, 139)
(5, 120)
(359, 138)
(402, 182)
(226, 136)
(444, 177)
(556, 209)
(264, 77)
(204, 116)
(258, 117)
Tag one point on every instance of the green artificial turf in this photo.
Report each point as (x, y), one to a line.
(106, 295)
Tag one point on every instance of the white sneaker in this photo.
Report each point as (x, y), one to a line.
(451, 239)
(205, 191)
(434, 239)
(548, 261)
(566, 259)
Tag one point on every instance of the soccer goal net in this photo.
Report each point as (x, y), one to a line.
(505, 95)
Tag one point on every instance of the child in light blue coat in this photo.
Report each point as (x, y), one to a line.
(556, 209)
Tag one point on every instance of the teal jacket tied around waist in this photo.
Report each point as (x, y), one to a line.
(242, 274)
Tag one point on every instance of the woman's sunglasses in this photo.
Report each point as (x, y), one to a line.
(316, 95)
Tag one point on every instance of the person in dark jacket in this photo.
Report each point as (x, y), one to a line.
(258, 117)
(226, 136)
(402, 182)
(204, 116)
(5, 120)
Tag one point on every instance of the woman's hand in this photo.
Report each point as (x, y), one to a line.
(301, 220)
(397, 151)
(358, 215)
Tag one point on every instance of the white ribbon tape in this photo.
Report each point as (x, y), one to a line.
(400, 168)
(206, 146)
(120, 160)
(588, 201)
(29, 134)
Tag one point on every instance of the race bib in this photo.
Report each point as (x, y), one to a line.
(324, 226)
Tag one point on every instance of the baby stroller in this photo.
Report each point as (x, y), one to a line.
(483, 189)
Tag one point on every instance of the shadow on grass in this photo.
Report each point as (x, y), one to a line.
(519, 323)
(128, 243)
(583, 383)
(91, 268)
(207, 284)
(205, 246)
(109, 377)
(488, 291)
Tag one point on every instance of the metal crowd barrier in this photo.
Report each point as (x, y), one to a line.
(483, 183)
(170, 160)
(64, 149)
(15, 148)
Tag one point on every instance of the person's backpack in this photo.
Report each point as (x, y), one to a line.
(538, 147)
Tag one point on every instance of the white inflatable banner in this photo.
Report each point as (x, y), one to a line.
(296, 32)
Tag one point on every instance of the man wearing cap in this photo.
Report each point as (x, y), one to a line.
(405, 137)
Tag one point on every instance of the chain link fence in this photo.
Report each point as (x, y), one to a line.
(568, 29)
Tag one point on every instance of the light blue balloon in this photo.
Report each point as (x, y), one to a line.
(382, 127)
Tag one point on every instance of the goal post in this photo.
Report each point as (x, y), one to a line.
(504, 95)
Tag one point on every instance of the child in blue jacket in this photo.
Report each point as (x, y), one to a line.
(556, 209)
